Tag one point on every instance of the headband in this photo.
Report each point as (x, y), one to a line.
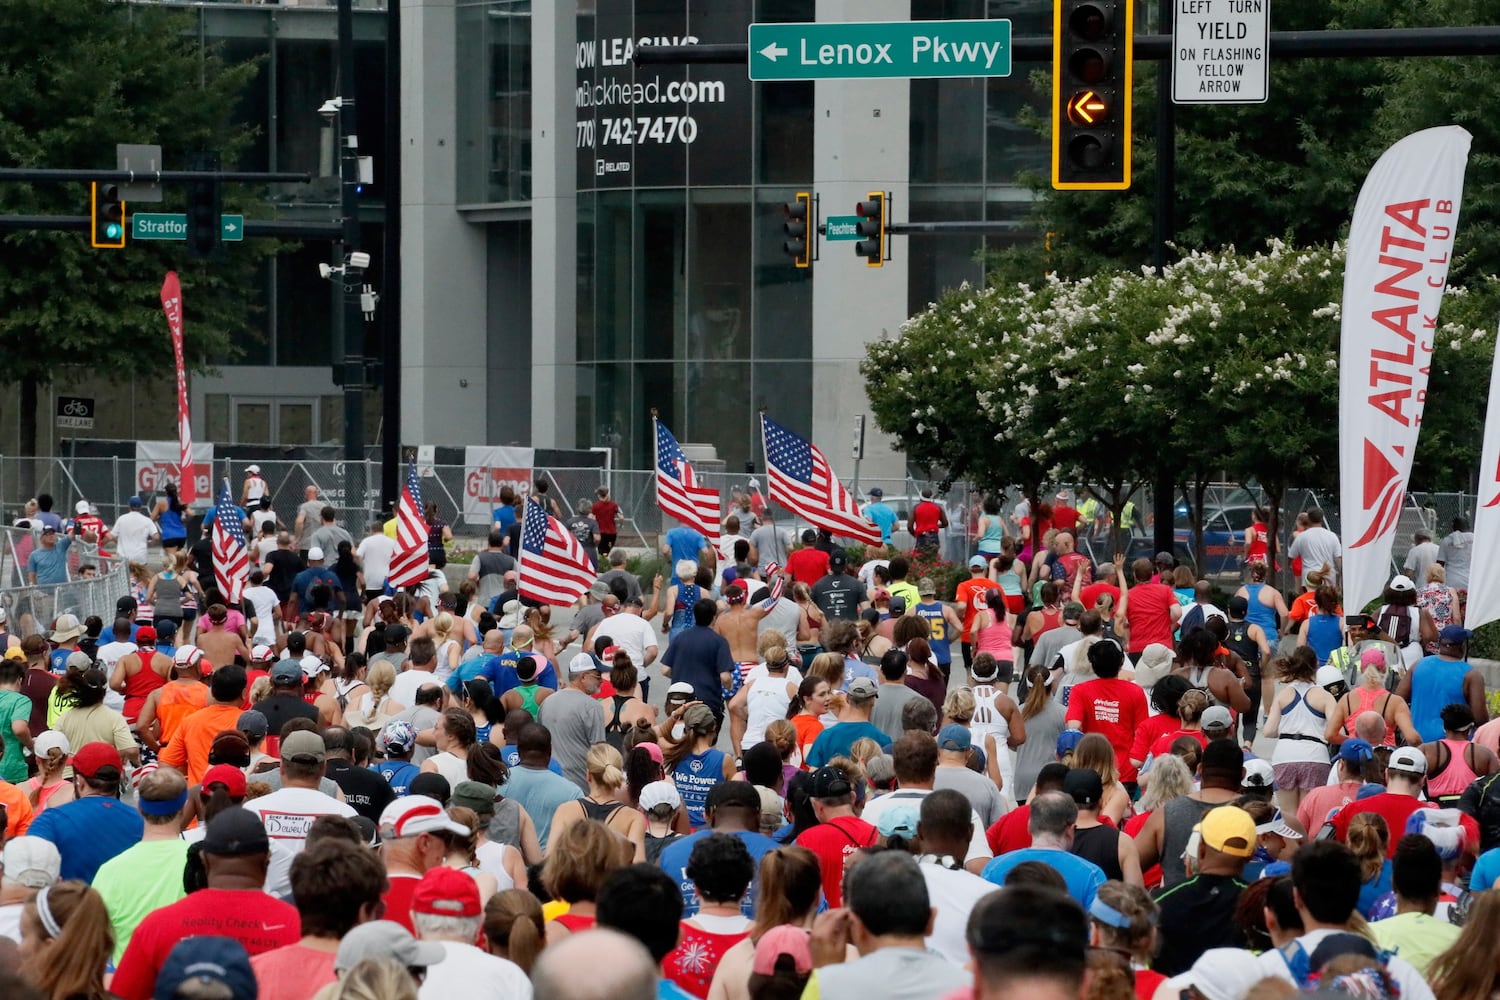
(1108, 915)
(44, 913)
(163, 807)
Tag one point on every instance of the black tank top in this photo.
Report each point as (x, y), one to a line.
(1101, 845)
(1238, 642)
(600, 811)
(614, 730)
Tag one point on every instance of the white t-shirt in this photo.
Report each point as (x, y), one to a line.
(867, 573)
(1413, 986)
(376, 552)
(1318, 547)
(109, 654)
(264, 600)
(724, 550)
(404, 691)
(264, 546)
(978, 846)
(132, 532)
(631, 633)
(288, 813)
(475, 975)
(10, 921)
(953, 894)
(491, 857)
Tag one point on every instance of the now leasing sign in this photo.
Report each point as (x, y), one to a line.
(868, 50)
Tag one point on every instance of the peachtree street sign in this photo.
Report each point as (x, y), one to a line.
(167, 226)
(865, 50)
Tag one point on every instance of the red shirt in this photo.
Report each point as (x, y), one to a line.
(926, 517)
(1089, 596)
(293, 970)
(604, 512)
(254, 919)
(1149, 613)
(397, 899)
(1163, 744)
(1150, 731)
(1395, 810)
(1010, 832)
(1065, 518)
(807, 565)
(834, 842)
(1113, 708)
(698, 954)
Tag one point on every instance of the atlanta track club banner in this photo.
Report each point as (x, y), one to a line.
(1484, 576)
(1400, 244)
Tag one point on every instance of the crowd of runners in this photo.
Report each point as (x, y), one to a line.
(777, 769)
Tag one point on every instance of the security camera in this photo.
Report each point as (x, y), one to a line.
(325, 271)
(367, 300)
(331, 107)
(359, 259)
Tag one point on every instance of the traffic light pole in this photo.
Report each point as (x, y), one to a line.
(348, 322)
(1163, 492)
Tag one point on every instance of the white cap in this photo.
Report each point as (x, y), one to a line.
(261, 653)
(81, 507)
(31, 861)
(187, 655)
(582, 664)
(253, 468)
(1402, 583)
(1217, 717)
(1408, 760)
(314, 554)
(1258, 774)
(680, 687)
(660, 793)
(1219, 974)
(414, 814)
(313, 665)
(1329, 674)
(49, 741)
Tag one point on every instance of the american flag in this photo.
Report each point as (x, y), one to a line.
(409, 565)
(778, 581)
(230, 556)
(677, 489)
(555, 569)
(803, 482)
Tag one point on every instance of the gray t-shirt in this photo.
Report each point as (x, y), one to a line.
(327, 538)
(576, 723)
(1419, 559)
(981, 792)
(770, 547)
(1318, 547)
(632, 582)
(311, 513)
(893, 974)
(1455, 553)
(541, 792)
(784, 618)
(273, 778)
(587, 617)
(886, 716)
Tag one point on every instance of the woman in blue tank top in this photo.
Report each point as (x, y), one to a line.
(1323, 631)
(695, 765)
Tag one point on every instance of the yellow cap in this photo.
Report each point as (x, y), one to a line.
(1229, 830)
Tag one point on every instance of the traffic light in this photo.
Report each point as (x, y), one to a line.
(871, 245)
(107, 213)
(798, 244)
(204, 203)
(1092, 53)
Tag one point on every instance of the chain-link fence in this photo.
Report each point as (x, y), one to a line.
(93, 583)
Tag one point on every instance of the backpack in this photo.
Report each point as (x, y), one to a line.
(1299, 964)
(1399, 623)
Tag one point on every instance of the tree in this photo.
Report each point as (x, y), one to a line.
(77, 77)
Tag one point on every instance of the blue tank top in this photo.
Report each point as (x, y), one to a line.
(482, 733)
(682, 610)
(1324, 636)
(1258, 613)
(694, 776)
(933, 613)
(1435, 684)
(171, 524)
(994, 534)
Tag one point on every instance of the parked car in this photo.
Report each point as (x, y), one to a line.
(1223, 541)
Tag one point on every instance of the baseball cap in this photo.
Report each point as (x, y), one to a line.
(1072, 611)
(809, 536)
(1408, 760)
(286, 671)
(876, 491)
(827, 783)
(206, 959)
(253, 723)
(314, 554)
(31, 861)
(81, 507)
(660, 793)
(262, 653)
(978, 562)
(15, 653)
(1216, 717)
(235, 832)
(1085, 786)
(252, 468)
(925, 587)
(313, 665)
(397, 633)
(145, 636)
(838, 559)
(1164, 559)
(652, 749)
(433, 785)
(92, 757)
(900, 820)
(1068, 740)
(1239, 607)
(699, 717)
(68, 627)
(1372, 657)
(1455, 635)
(475, 795)
(398, 736)
(599, 589)
(48, 741)
(446, 892)
(1355, 751)
(510, 615)
(787, 940)
(1220, 974)
(1258, 774)
(954, 737)
(49, 529)
(863, 689)
(386, 939)
(1277, 825)
(679, 687)
(412, 815)
(1229, 830)
(187, 656)
(231, 777)
(1328, 674)
(305, 744)
(135, 501)
(79, 659)
(582, 664)
(1401, 583)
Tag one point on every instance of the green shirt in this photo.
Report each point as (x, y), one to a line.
(14, 707)
(145, 877)
(1416, 937)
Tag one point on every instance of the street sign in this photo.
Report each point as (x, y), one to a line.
(169, 226)
(143, 160)
(1219, 52)
(75, 412)
(868, 50)
(841, 227)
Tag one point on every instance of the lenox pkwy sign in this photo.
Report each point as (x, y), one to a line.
(879, 50)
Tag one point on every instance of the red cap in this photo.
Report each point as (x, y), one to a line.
(231, 777)
(145, 635)
(92, 756)
(447, 892)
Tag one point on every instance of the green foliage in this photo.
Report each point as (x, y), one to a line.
(76, 77)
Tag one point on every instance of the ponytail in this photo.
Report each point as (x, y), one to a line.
(1036, 694)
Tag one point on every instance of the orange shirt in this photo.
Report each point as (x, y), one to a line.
(18, 811)
(195, 736)
(176, 702)
(964, 595)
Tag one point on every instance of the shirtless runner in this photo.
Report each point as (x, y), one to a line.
(221, 646)
(739, 626)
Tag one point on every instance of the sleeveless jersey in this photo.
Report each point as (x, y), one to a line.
(938, 629)
(1238, 642)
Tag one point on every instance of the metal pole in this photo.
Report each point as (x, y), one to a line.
(390, 292)
(347, 315)
(1162, 501)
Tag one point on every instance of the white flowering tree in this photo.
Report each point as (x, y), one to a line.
(1225, 362)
